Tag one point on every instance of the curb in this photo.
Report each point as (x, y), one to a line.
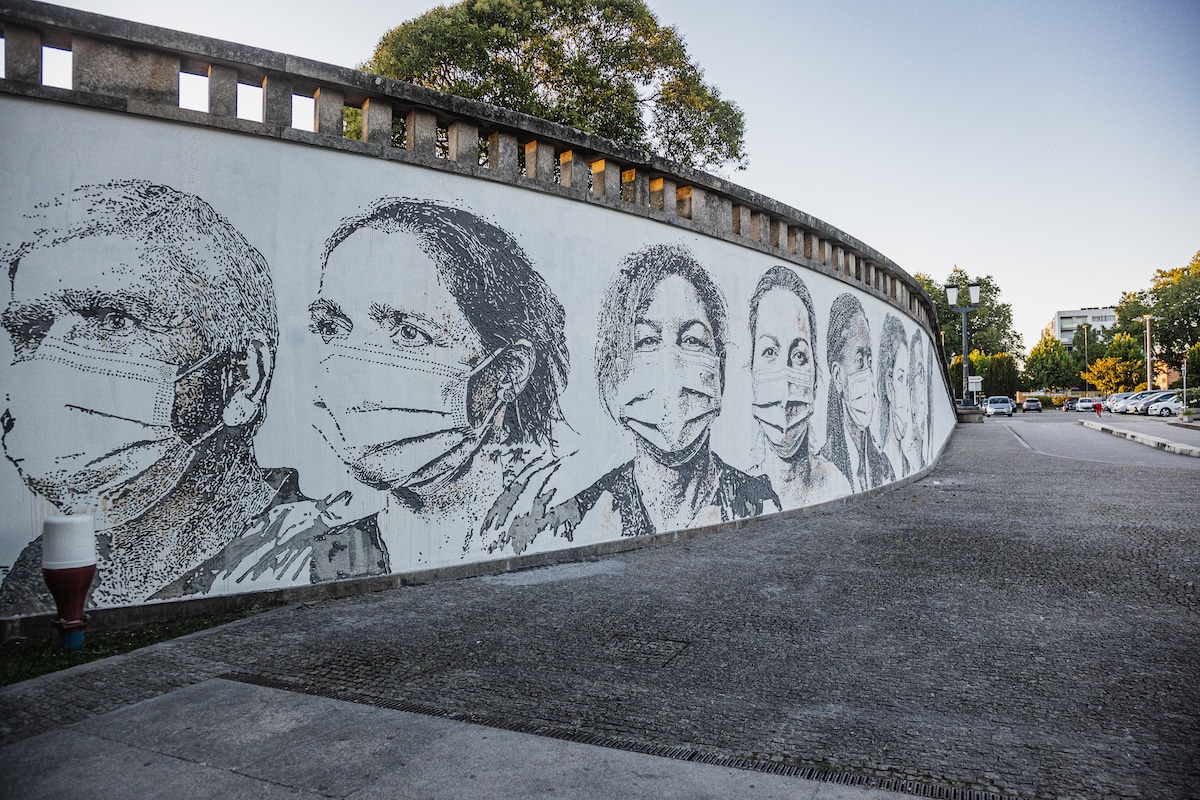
(1142, 438)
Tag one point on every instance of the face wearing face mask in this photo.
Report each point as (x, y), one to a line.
(398, 419)
(670, 397)
(860, 397)
(92, 431)
(901, 411)
(783, 404)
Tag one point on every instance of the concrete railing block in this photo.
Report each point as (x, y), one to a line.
(635, 188)
(502, 152)
(222, 91)
(573, 170)
(377, 122)
(113, 69)
(277, 101)
(329, 111)
(741, 220)
(22, 54)
(463, 139)
(539, 160)
(606, 178)
(760, 227)
(660, 190)
(420, 131)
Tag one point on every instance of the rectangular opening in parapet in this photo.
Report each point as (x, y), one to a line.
(193, 92)
(250, 102)
(3, 74)
(304, 110)
(56, 67)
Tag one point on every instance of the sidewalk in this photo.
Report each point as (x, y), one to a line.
(1164, 434)
(1002, 628)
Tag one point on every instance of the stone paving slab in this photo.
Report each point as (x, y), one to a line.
(1003, 627)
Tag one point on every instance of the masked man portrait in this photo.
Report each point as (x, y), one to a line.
(895, 394)
(143, 332)
(442, 358)
(848, 440)
(660, 370)
(785, 375)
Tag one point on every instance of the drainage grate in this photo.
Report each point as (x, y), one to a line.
(901, 785)
(643, 653)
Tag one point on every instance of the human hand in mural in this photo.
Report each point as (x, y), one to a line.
(440, 342)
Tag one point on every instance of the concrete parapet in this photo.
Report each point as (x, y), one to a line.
(22, 54)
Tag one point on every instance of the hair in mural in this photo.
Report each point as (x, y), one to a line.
(895, 410)
(784, 278)
(660, 371)
(922, 409)
(416, 385)
(138, 383)
(849, 443)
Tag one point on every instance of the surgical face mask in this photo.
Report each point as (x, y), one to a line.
(860, 397)
(91, 430)
(783, 403)
(901, 410)
(398, 419)
(670, 396)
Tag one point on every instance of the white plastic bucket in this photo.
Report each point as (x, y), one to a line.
(68, 542)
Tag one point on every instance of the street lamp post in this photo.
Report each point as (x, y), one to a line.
(952, 297)
(1147, 318)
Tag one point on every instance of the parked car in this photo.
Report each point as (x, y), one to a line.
(1122, 406)
(999, 405)
(1165, 408)
(1086, 404)
(1143, 406)
(1069, 404)
(1032, 404)
(1113, 399)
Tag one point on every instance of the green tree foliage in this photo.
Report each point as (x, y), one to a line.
(956, 378)
(1122, 368)
(990, 326)
(603, 66)
(1050, 366)
(1193, 365)
(1175, 296)
(1002, 377)
(1087, 346)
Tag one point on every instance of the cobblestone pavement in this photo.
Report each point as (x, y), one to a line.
(1003, 625)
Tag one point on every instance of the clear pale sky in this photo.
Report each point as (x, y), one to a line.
(1054, 144)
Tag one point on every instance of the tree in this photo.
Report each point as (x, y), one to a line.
(1122, 368)
(1175, 296)
(1086, 348)
(956, 378)
(990, 326)
(1002, 376)
(1050, 365)
(603, 66)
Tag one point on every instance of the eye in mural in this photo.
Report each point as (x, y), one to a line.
(916, 444)
(785, 376)
(660, 366)
(144, 332)
(849, 442)
(895, 395)
(442, 358)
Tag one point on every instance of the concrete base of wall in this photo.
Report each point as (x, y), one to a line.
(969, 414)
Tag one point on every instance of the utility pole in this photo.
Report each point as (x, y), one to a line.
(1149, 353)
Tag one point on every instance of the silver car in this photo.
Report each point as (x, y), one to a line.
(1165, 408)
(1143, 405)
(1122, 406)
(1113, 399)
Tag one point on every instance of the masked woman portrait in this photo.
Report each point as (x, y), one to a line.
(848, 440)
(895, 394)
(785, 375)
(660, 371)
(442, 360)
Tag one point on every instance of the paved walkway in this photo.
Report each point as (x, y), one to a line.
(1003, 628)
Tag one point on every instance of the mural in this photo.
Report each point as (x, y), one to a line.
(416, 361)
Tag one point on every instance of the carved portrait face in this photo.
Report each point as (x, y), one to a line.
(398, 361)
(783, 370)
(899, 394)
(108, 391)
(852, 372)
(672, 391)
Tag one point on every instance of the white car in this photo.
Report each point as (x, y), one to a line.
(1086, 404)
(1165, 408)
(1122, 406)
(999, 405)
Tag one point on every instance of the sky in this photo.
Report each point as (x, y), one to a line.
(1051, 144)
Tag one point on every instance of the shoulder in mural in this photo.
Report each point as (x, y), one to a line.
(425, 388)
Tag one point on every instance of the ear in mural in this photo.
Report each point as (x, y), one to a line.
(895, 397)
(660, 366)
(144, 333)
(442, 360)
(848, 442)
(916, 444)
(784, 372)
